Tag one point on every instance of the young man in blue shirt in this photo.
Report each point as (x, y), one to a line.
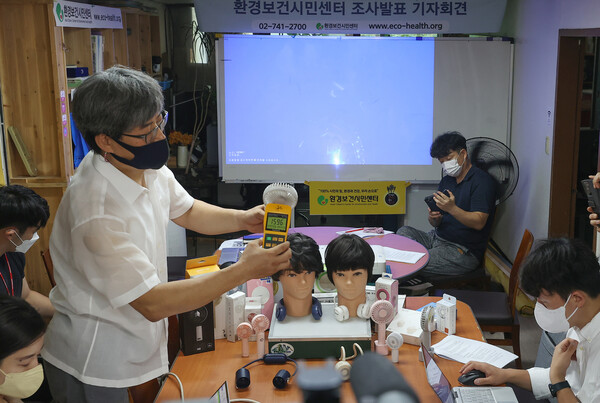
(466, 196)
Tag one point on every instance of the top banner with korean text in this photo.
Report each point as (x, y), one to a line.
(79, 15)
(350, 16)
(334, 198)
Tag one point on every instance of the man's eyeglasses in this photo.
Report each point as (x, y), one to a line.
(151, 135)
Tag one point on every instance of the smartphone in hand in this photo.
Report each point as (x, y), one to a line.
(431, 203)
(593, 194)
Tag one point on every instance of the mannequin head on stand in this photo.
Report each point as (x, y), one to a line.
(349, 260)
(298, 280)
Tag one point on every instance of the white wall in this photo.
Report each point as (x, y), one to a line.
(534, 24)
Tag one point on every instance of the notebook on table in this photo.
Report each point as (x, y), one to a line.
(476, 394)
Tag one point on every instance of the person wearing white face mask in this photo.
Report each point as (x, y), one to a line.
(564, 276)
(22, 213)
(465, 200)
(22, 335)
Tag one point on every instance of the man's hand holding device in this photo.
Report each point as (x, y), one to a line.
(445, 201)
(260, 262)
(435, 212)
(591, 186)
(279, 199)
(437, 200)
(252, 220)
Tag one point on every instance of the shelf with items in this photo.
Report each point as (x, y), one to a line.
(34, 53)
(78, 48)
(143, 39)
(134, 45)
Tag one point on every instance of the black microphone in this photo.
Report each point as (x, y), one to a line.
(375, 379)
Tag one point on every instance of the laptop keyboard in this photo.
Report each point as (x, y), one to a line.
(476, 395)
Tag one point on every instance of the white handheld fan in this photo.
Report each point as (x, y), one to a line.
(260, 323)
(394, 342)
(382, 313)
(428, 326)
(280, 193)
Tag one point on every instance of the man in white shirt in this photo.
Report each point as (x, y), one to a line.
(564, 276)
(108, 246)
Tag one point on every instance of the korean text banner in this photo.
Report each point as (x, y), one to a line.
(335, 198)
(350, 16)
(78, 15)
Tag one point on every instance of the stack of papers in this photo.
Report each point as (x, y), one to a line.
(364, 234)
(403, 256)
(464, 350)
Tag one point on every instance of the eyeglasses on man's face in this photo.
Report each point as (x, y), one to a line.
(151, 135)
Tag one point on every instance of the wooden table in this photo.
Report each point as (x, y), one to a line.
(202, 374)
(324, 235)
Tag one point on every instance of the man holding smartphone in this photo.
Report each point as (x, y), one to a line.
(465, 201)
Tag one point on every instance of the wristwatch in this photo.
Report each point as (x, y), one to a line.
(554, 388)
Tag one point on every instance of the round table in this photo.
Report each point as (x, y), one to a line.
(324, 235)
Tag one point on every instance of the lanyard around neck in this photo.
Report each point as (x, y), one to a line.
(12, 286)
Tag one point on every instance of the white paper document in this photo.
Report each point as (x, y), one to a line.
(403, 256)
(464, 350)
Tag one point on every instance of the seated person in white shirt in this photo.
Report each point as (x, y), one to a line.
(109, 249)
(564, 276)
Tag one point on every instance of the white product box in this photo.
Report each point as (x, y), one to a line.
(234, 304)
(408, 323)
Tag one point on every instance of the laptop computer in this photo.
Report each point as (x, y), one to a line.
(479, 394)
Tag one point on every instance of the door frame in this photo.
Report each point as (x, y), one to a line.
(567, 117)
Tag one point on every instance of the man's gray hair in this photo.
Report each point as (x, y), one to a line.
(115, 101)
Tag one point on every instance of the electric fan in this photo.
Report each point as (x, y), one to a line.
(498, 161)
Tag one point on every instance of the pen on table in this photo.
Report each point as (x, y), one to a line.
(354, 230)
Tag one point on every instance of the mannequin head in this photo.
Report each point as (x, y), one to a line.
(298, 280)
(349, 260)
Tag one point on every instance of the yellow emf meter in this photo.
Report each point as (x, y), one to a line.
(276, 224)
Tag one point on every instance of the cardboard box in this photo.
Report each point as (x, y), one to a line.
(194, 268)
(445, 314)
(379, 263)
(201, 265)
(220, 316)
(196, 330)
(234, 305)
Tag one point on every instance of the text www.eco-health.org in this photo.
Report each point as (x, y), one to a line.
(408, 26)
(355, 26)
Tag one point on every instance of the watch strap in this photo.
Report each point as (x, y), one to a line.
(554, 388)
